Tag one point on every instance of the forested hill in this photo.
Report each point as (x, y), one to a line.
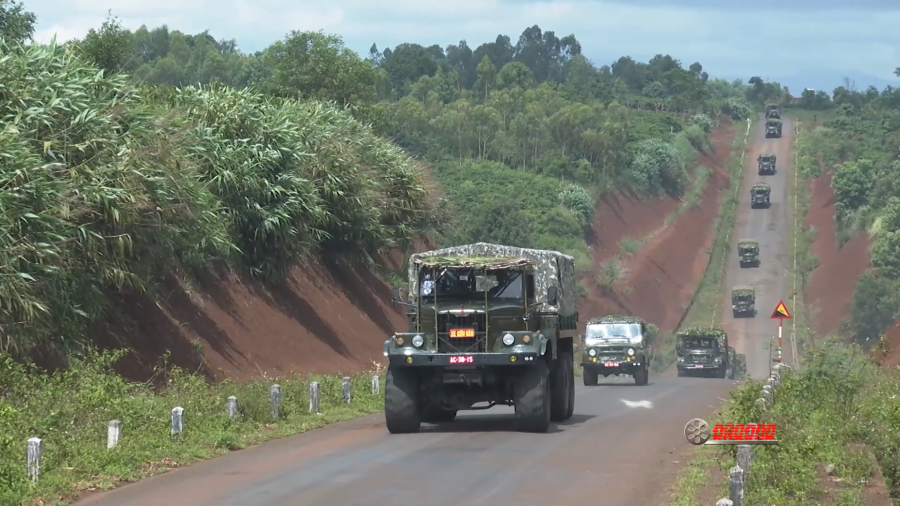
(186, 150)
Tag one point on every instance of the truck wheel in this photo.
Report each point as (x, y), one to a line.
(437, 414)
(401, 410)
(590, 377)
(570, 366)
(682, 373)
(642, 376)
(531, 398)
(559, 382)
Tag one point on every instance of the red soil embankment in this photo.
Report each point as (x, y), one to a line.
(325, 317)
(832, 283)
(658, 282)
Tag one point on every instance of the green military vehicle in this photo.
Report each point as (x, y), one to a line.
(772, 111)
(743, 301)
(618, 345)
(773, 128)
(766, 164)
(487, 324)
(705, 351)
(748, 252)
(760, 195)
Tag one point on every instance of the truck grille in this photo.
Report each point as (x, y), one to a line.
(447, 344)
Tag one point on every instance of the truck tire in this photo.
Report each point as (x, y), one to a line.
(437, 414)
(531, 398)
(590, 377)
(562, 404)
(682, 373)
(401, 406)
(642, 376)
(570, 366)
(559, 386)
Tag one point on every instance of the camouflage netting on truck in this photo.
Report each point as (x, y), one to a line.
(743, 291)
(761, 187)
(690, 332)
(766, 157)
(748, 244)
(551, 268)
(652, 330)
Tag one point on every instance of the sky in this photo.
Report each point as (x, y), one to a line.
(800, 43)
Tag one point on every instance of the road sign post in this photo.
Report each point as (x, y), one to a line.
(780, 313)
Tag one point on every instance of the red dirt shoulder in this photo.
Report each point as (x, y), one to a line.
(832, 283)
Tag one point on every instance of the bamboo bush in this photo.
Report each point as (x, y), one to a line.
(106, 186)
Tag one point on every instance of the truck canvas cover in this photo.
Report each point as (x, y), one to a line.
(551, 268)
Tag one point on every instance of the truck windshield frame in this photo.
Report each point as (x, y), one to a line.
(610, 330)
(468, 283)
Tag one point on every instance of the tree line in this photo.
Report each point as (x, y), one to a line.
(185, 150)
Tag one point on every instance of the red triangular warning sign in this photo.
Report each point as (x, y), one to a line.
(781, 311)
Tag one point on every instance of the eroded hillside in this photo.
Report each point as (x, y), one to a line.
(644, 262)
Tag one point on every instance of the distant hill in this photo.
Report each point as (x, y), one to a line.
(826, 80)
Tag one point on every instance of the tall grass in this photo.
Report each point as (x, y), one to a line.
(106, 187)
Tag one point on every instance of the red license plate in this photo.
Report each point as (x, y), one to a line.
(462, 333)
(610, 364)
(462, 359)
(698, 367)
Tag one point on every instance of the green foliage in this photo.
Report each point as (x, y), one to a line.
(578, 201)
(16, 24)
(825, 413)
(70, 411)
(100, 195)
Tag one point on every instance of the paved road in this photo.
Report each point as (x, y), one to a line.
(771, 228)
(609, 453)
(623, 445)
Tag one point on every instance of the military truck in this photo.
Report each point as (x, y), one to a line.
(766, 163)
(748, 252)
(760, 195)
(704, 351)
(772, 111)
(487, 324)
(743, 301)
(619, 345)
(773, 128)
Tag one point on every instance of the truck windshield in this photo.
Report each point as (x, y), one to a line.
(470, 284)
(613, 330)
(701, 342)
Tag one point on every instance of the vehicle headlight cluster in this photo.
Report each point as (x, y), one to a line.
(592, 353)
(418, 341)
(509, 339)
(630, 352)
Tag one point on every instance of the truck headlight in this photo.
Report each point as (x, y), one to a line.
(418, 341)
(630, 352)
(509, 339)
(592, 353)
(680, 360)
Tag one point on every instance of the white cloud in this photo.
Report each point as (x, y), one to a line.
(727, 41)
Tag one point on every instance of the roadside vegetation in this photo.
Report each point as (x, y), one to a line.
(837, 425)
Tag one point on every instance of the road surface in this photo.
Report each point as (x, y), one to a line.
(754, 336)
(624, 444)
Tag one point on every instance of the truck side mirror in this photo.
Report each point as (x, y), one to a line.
(552, 295)
(395, 296)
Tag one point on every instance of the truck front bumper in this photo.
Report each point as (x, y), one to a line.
(456, 359)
